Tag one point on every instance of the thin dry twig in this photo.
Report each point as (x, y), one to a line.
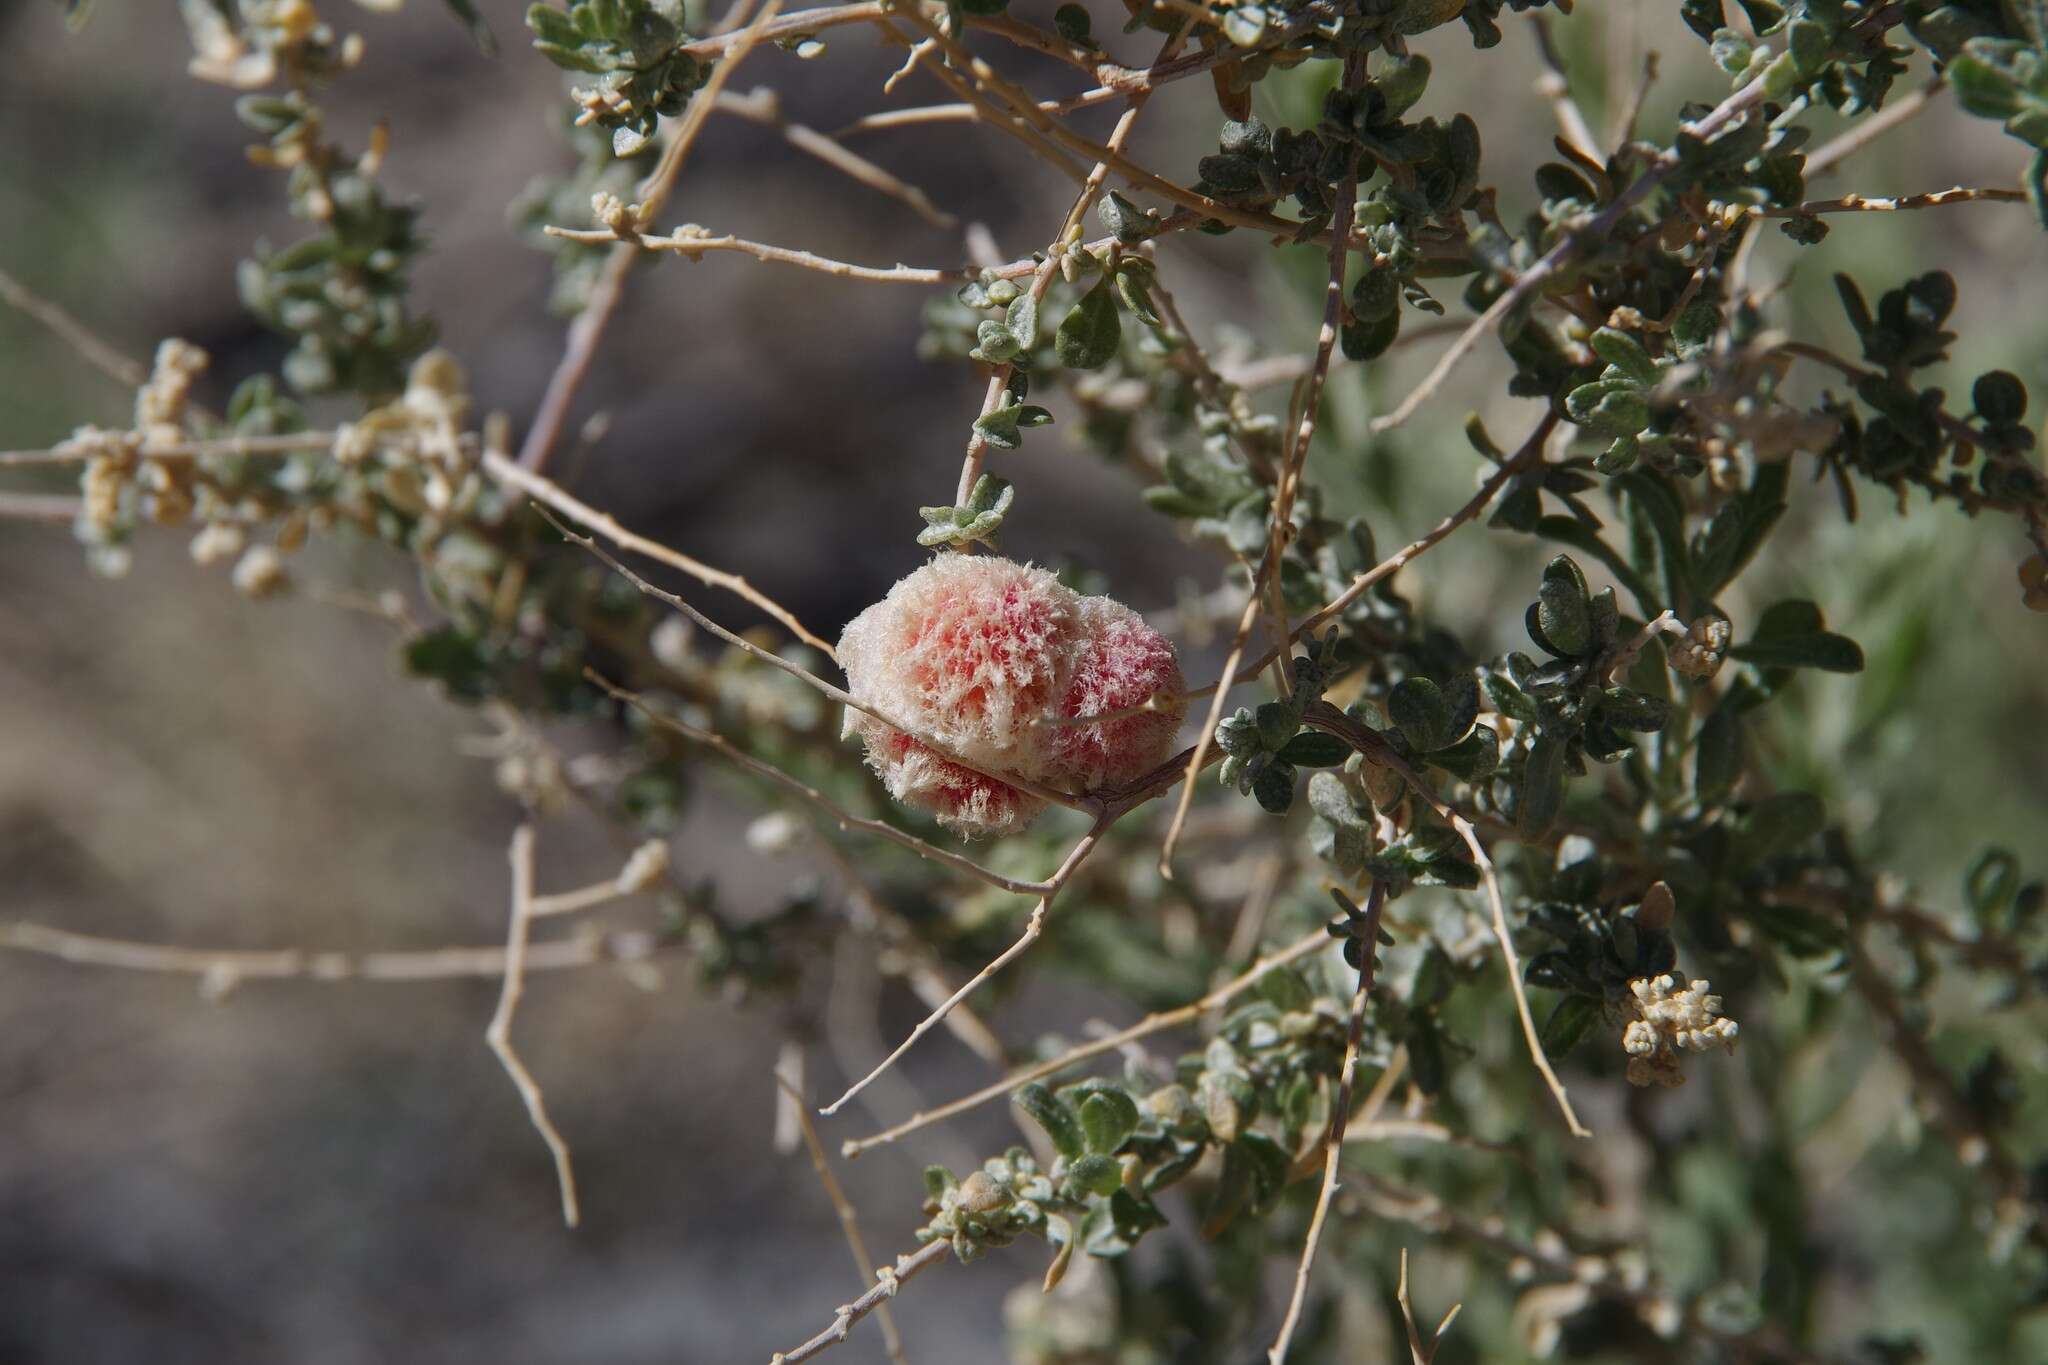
(890, 1280)
(1268, 574)
(542, 489)
(802, 674)
(499, 1032)
(691, 242)
(1152, 1023)
(1555, 85)
(588, 329)
(1705, 129)
(228, 446)
(849, 1221)
(1866, 131)
(1041, 280)
(1330, 720)
(1033, 927)
(220, 970)
(1340, 1113)
(102, 356)
(1418, 1354)
(763, 106)
(56, 509)
(844, 820)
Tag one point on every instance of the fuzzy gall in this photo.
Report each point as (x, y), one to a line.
(984, 657)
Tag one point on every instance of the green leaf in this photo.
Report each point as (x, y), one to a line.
(1285, 990)
(1569, 1022)
(1314, 749)
(1273, 788)
(1542, 793)
(1108, 1118)
(1992, 882)
(1051, 1113)
(1096, 1174)
(2000, 398)
(1575, 533)
(1074, 25)
(1088, 336)
(1717, 756)
(1471, 758)
(1419, 708)
(1563, 610)
(1791, 634)
(1625, 353)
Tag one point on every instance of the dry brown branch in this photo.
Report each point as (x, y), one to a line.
(802, 674)
(892, 1279)
(1705, 129)
(1866, 131)
(849, 1221)
(102, 356)
(1340, 1115)
(1418, 1354)
(763, 106)
(1555, 85)
(843, 819)
(220, 970)
(1376, 750)
(919, 965)
(56, 509)
(228, 446)
(544, 490)
(1042, 278)
(588, 329)
(1033, 927)
(1857, 203)
(499, 1032)
(691, 242)
(1178, 1017)
(1290, 478)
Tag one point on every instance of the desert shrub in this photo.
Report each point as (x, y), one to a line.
(1434, 915)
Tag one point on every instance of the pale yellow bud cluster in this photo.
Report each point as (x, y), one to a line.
(1704, 649)
(1672, 1019)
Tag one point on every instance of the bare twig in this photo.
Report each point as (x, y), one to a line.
(1866, 131)
(544, 490)
(499, 1033)
(56, 509)
(1555, 85)
(228, 446)
(1368, 742)
(1340, 1115)
(1144, 1028)
(1290, 479)
(220, 970)
(1730, 111)
(762, 106)
(692, 242)
(1033, 927)
(1041, 280)
(1418, 1354)
(102, 356)
(843, 819)
(892, 1279)
(849, 1221)
(588, 329)
(802, 674)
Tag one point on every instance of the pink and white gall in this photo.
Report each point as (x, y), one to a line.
(986, 657)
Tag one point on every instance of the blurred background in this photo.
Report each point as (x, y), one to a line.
(340, 1172)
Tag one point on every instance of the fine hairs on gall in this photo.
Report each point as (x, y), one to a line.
(985, 657)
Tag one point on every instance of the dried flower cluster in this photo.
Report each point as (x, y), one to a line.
(1673, 1019)
(986, 658)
